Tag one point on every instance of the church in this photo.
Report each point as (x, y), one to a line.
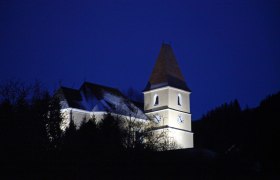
(166, 101)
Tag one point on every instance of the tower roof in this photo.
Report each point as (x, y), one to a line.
(166, 71)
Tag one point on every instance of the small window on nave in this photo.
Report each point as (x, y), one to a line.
(156, 100)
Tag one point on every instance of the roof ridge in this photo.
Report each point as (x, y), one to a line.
(95, 84)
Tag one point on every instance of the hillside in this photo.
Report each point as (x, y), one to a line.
(250, 134)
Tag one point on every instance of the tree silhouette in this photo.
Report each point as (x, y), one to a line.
(249, 135)
(53, 121)
(111, 134)
(219, 126)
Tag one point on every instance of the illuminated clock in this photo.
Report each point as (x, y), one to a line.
(157, 118)
(180, 119)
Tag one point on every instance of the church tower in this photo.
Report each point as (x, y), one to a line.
(167, 99)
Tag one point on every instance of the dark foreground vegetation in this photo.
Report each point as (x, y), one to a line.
(230, 143)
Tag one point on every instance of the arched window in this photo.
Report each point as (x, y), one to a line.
(156, 100)
(179, 99)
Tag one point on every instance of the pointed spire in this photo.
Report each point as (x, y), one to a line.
(166, 71)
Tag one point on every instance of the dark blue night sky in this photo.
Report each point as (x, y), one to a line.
(226, 49)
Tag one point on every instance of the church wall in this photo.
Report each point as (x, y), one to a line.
(149, 98)
(170, 118)
(182, 138)
(78, 116)
(164, 117)
(168, 96)
(173, 99)
(174, 121)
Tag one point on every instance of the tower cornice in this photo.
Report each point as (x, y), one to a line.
(166, 87)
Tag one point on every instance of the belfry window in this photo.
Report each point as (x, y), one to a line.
(179, 99)
(156, 100)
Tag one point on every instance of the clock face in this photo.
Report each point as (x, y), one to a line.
(157, 118)
(180, 119)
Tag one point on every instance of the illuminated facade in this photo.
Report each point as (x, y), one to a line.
(167, 99)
